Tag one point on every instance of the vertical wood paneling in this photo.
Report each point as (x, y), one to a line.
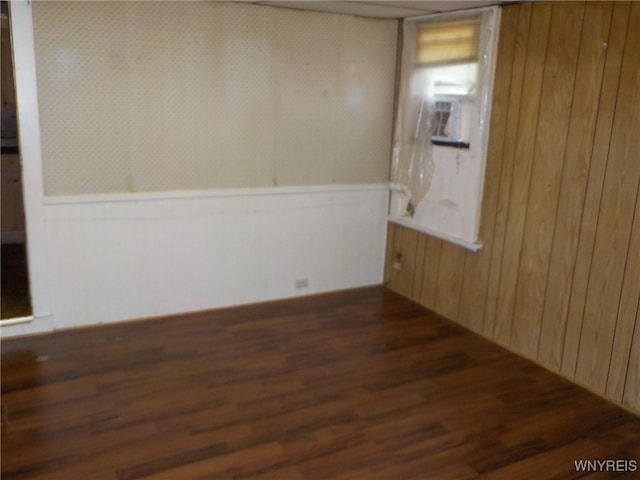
(550, 144)
(404, 247)
(477, 266)
(614, 223)
(433, 246)
(418, 274)
(388, 258)
(606, 111)
(496, 243)
(449, 282)
(631, 396)
(558, 277)
(584, 115)
(409, 247)
(523, 163)
(393, 245)
(628, 302)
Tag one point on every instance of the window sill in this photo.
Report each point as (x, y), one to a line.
(469, 245)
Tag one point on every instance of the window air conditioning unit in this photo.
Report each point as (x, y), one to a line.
(450, 123)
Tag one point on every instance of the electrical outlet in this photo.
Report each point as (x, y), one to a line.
(302, 282)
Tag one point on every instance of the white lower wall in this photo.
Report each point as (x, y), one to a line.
(96, 259)
(115, 258)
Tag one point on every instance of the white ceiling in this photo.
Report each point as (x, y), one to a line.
(380, 8)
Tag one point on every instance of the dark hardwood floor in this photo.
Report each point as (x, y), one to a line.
(361, 384)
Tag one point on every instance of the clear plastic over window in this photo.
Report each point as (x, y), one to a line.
(441, 129)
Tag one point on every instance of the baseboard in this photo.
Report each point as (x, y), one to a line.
(18, 327)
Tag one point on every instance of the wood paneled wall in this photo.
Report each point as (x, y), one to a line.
(558, 279)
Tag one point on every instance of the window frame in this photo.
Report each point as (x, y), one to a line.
(465, 232)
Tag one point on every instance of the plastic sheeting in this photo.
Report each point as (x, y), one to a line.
(412, 163)
(443, 109)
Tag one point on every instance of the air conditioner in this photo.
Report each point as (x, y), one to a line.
(450, 121)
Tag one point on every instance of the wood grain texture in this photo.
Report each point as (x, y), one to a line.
(393, 243)
(631, 397)
(627, 311)
(590, 212)
(418, 273)
(623, 358)
(523, 164)
(349, 385)
(497, 241)
(575, 175)
(449, 284)
(477, 265)
(404, 252)
(409, 260)
(433, 247)
(550, 145)
(388, 256)
(560, 282)
(614, 223)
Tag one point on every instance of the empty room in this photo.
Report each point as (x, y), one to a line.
(298, 240)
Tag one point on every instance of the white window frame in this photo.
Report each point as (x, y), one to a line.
(450, 181)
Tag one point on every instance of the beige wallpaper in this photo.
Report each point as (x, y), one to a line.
(156, 96)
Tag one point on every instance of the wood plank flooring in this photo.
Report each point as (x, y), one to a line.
(360, 384)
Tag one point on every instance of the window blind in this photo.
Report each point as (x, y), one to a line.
(451, 42)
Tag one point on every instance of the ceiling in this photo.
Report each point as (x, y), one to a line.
(380, 8)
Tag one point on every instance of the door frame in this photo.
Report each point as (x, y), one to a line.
(26, 88)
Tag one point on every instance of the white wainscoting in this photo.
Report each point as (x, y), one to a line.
(105, 258)
(121, 257)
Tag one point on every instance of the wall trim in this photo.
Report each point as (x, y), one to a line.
(473, 246)
(26, 87)
(18, 327)
(15, 321)
(213, 193)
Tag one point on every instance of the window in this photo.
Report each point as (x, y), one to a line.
(447, 42)
(441, 129)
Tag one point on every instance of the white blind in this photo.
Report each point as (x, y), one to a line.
(451, 42)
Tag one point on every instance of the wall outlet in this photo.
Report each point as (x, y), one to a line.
(302, 282)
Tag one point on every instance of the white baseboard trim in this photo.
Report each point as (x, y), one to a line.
(213, 193)
(16, 321)
(18, 327)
